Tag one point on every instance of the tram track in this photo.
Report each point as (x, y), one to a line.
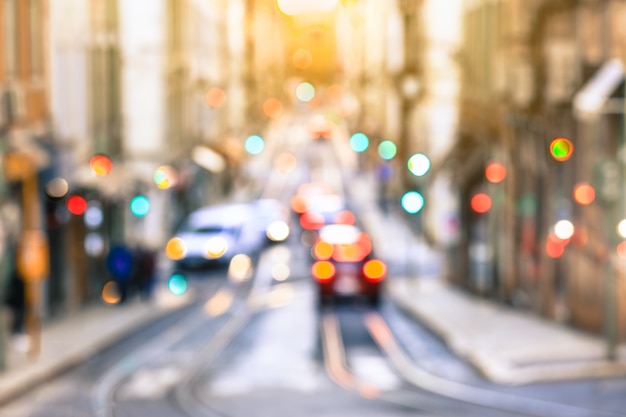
(425, 392)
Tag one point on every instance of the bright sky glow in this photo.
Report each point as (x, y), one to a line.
(294, 7)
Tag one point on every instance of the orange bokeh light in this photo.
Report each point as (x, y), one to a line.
(175, 249)
(323, 251)
(495, 172)
(101, 165)
(334, 92)
(272, 107)
(481, 203)
(584, 193)
(302, 59)
(215, 97)
(621, 250)
(554, 247)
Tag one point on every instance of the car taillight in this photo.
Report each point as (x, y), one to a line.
(344, 217)
(299, 204)
(311, 221)
(322, 251)
(323, 271)
(374, 270)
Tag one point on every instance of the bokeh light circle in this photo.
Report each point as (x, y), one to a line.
(359, 142)
(481, 203)
(177, 284)
(101, 165)
(495, 172)
(418, 164)
(561, 149)
(57, 188)
(621, 228)
(76, 205)
(165, 177)
(111, 293)
(554, 247)
(305, 92)
(140, 205)
(387, 149)
(584, 193)
(412, 202)
(215, 97)
(564, 229)
(621, 250)
(272, 107)
(302, 59)
(175, 249)
(285, 162)
(254, 144)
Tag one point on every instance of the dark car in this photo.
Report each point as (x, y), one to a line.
(344, 266)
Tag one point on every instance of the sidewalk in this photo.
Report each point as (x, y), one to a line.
(74, 338)
(508, 346)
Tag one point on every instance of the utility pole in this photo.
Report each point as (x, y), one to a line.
(32, 252)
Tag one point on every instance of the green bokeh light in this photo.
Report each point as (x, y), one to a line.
(561, 149)
(387, 149)
(359, 142)
(254, 144)
(140, 205)
(412, 202)
(177, 284)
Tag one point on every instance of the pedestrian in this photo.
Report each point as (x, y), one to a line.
(15, 300)
(121, 264)
(144, 272)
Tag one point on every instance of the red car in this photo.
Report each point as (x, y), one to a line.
(344, 266)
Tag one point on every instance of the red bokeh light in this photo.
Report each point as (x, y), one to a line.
(76, 205)
(481, 203)
(621, 250)
(555, 247)
(311, 221)
(345, 217)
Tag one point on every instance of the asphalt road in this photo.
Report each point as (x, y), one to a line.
(263, 347)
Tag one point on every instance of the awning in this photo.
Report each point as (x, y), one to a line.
(589, 102)
(208, 159)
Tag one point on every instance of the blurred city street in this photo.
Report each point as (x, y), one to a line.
(312, 208)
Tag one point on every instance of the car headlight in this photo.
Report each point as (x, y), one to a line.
(278, 231)
(215, 247)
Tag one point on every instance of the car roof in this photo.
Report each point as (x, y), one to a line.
(222, 214)
(339, 234)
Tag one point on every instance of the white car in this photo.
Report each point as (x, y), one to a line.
(214, 235)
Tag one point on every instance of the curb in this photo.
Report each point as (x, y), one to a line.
(20, 381)
(506, 372)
